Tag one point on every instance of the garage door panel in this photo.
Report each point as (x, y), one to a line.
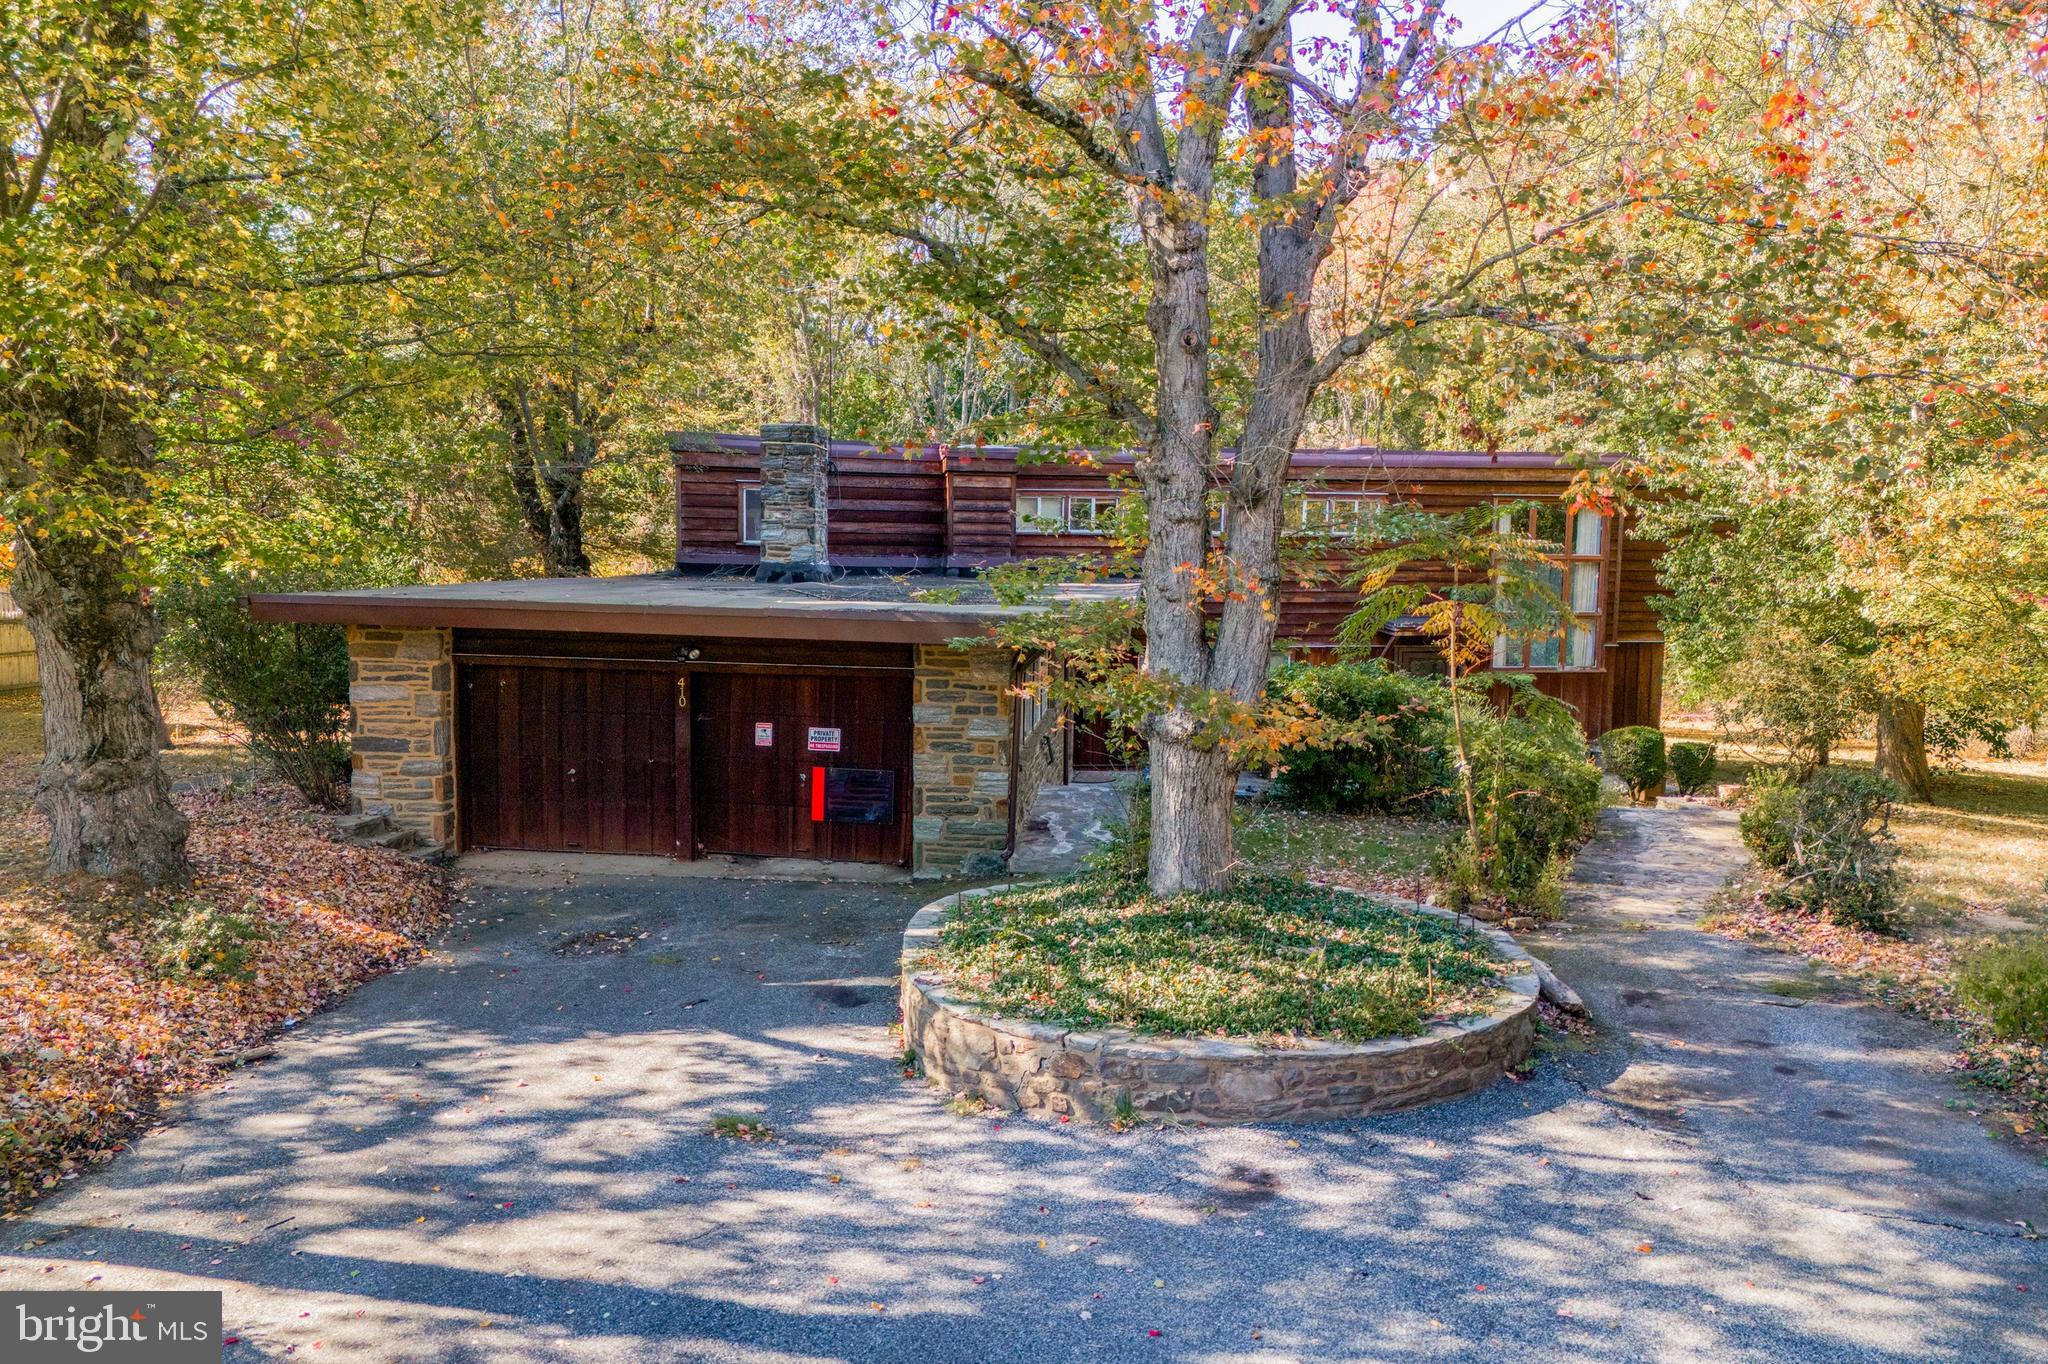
(568, 759)
(755, 800)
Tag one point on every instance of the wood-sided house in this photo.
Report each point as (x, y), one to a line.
(792, 689)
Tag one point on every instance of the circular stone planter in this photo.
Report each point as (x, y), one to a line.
(1013, 1063)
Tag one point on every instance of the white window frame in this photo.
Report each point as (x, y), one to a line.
(1327, 502)
(760, 512)
(1036, 522)
(1102, 507)
(1512, 655)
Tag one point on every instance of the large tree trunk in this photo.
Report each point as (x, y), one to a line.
(1902, 747)
(547, 454)
(1193, 778)
(102, 787)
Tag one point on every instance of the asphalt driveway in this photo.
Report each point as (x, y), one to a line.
(502, 1155)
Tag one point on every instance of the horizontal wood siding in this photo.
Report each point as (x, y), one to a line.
(886, 509)
(981, 514)
(708, 484)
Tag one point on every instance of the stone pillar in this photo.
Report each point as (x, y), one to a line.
(961, 732)
(795, 471)
(401, 693)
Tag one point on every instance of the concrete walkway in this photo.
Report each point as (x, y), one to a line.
(503, 1156)
(1829, 1099)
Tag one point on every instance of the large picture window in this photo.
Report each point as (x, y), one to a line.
(1574, 574)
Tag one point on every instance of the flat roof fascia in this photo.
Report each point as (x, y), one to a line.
(846, 621)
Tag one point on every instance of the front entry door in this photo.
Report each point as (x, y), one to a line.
(761, 742)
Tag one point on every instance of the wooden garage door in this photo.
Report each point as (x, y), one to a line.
(754, 789)
(560, 758)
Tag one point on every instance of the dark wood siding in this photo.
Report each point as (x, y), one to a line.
(1638, 686)
(568, 757)
(756, 799)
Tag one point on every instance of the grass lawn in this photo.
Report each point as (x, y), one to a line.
(113, 1002)
(1386, 853)
(1274, 958)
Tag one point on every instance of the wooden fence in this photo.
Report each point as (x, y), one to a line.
(17, 650)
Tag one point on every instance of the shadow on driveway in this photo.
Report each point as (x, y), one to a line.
(503, 1155)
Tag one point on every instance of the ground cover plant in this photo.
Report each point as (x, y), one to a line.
(1271, 957)
(112, 1002)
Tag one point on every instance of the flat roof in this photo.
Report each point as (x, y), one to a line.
(879, 609)
(683, 443)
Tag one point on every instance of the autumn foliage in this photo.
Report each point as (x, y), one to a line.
(99, 1026)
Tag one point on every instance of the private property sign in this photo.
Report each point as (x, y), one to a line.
(823, 740)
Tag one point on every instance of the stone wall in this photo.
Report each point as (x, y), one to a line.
(1015, 1064)
(401, 691)
(795, 472)
(962, 726)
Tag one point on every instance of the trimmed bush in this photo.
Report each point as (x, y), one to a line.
(2007, 981)
(1635, 753)
(1693, 767)
(1842, 861)
(1377, 742)
(1767, 815)
(286, 685)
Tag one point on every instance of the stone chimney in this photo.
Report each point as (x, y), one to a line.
(795, 467)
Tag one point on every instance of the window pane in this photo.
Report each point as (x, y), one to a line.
(1503, 651)
(1579, 644)
(1552, 577)
(750, 516)
(1041, 515)
(1585, 588)
(1550, 523)
(1543, 652)
(1587, 527)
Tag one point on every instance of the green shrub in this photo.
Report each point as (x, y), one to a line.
(286, 685)
(1635, 753)
(1378, 743)
(1693, 766)
(197, 938)
(1841, 861)
(1766, 819)
(2008, 981)
(1534, 793)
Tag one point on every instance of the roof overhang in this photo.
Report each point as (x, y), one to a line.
(633, 606)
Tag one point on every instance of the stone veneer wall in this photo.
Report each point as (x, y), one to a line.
(401, 692)
(1013, 1064)
(795, 472)
(962, 726)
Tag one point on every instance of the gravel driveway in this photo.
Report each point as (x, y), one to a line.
(503, 1155)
